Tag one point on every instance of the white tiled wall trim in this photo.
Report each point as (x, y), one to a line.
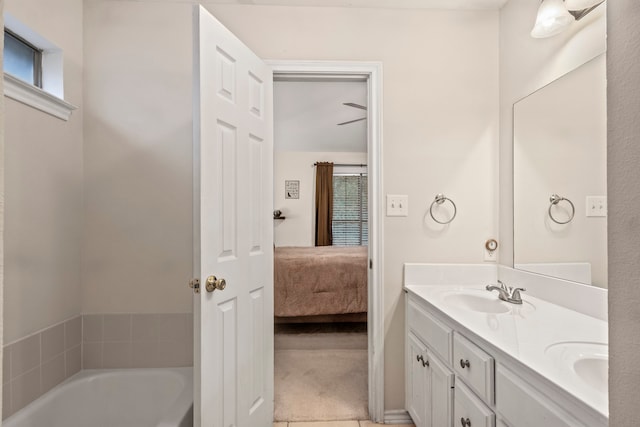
(37, 363)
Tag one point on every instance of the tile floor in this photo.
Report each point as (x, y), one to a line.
(338, 424)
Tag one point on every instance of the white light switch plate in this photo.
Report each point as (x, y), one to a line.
(397, 205)
(596, 205)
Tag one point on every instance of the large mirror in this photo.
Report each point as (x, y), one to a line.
(560, 177)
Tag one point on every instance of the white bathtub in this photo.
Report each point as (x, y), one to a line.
(114, 398)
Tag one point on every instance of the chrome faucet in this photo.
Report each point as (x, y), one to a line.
(507, 293)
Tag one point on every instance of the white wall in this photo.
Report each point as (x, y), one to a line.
(43, 186)
(560, 146)
(1, 209)
(526, 65)
(623, 69)
(138, 158)
(298, 227)
(440, 135)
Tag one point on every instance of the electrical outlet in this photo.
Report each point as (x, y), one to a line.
(397, 205)
(596, 205)
(490, 256)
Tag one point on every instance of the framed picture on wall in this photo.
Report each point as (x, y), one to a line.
(291, 189)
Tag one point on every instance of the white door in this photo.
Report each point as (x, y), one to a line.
(233, 186)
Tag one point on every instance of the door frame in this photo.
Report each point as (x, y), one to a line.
(372, 72)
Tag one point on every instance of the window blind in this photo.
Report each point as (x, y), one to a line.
(350, 210)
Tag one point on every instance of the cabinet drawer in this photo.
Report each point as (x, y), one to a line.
(474, 366)
(432, 332)
(469, 410)
(523, 406)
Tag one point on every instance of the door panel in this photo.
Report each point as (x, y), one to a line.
(226, 195)
(227, 348)
(258, 386)
(255, 178)
(233, 198)
(256, 91)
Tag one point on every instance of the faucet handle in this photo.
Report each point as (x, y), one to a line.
(503, 286)
(515, 293)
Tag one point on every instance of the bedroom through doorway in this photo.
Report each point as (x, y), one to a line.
(321, 238)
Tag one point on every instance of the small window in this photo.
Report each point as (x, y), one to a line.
(22, 59)
(350, 210)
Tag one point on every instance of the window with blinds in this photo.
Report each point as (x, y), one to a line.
(350, 213)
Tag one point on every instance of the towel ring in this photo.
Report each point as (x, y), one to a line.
(440, 199)
(555, 199)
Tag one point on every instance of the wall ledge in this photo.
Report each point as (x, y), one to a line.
(37, 98)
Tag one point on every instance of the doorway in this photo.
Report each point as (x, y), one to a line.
(369, 75)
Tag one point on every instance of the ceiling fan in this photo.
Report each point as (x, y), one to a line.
(351, 104)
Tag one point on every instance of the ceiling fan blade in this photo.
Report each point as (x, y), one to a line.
(352, 121)
(351, 104)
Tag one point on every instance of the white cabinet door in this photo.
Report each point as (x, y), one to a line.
(418, 391)
(429, 392)
(233, 186)
(441, 393)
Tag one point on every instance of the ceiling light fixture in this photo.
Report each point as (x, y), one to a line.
(554, 16)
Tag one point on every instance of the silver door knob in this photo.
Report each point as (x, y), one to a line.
(214, 283)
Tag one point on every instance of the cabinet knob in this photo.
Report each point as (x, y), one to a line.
(425, 363)
(465, 422)
(419, 358)
(464, 364)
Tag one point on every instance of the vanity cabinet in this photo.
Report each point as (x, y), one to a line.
(454, 381)
(435, 396)
(429, 386)
(523, 406)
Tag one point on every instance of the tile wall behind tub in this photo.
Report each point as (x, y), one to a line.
(137, 340)
(35, 364)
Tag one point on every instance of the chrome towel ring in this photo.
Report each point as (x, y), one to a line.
(555, 199)
(440, 199)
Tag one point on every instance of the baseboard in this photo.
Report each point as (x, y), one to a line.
(397, 416)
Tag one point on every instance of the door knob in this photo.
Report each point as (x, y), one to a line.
(214, 283)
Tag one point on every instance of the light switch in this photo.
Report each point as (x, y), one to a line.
(596, 205)
(397, 205)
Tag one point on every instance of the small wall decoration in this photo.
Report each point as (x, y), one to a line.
(292, 189)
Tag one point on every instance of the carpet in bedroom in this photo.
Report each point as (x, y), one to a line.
(321, 376)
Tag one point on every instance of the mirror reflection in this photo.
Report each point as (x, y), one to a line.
(560, 211)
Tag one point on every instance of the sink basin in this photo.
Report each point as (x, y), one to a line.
(483, 304)
(593, 371)
(588, 361)
(482, 301)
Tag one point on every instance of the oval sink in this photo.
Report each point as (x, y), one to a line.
(593, 371)
(476, 303)
(587, 360)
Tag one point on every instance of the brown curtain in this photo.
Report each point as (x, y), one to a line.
(324, 203)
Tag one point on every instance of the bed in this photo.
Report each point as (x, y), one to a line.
(324, 283)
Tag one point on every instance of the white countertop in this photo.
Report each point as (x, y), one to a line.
(528, 333)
